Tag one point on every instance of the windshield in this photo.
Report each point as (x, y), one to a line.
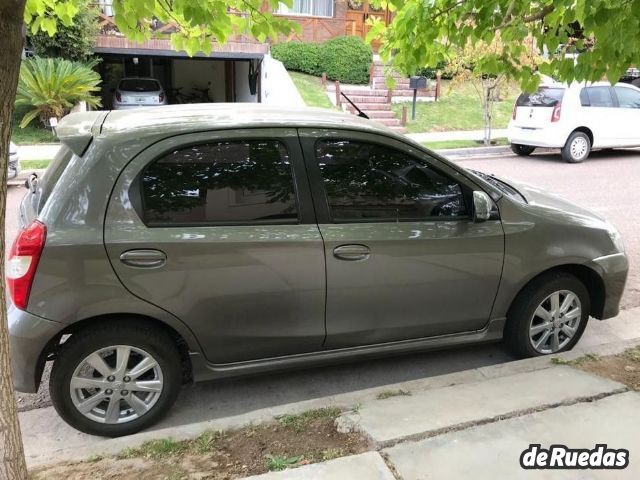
(544, 97)
(501, 185)
(139, 85)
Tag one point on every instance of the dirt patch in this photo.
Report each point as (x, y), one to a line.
(292, 441)
(623, 368)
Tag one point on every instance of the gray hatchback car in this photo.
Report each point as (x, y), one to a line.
(189, 243)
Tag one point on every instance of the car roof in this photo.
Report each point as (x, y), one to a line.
(173, 120)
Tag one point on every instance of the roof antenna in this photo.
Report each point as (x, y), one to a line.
(360, 112)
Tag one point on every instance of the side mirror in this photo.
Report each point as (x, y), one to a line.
(482, 205)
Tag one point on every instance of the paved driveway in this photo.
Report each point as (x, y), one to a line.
(607, 182)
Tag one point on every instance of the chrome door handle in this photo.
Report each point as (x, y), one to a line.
(149, 258)
(352, 252)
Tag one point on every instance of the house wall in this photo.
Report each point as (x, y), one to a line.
(319, 29)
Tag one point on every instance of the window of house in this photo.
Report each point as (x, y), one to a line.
(365, 181)
(316, 8)
(235, 182)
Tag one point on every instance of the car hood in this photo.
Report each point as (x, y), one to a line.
(540, 198)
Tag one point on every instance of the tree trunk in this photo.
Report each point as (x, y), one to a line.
(12, 463)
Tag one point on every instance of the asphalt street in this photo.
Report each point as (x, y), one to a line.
(608, 182)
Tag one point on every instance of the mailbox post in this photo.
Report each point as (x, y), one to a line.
(415, 83)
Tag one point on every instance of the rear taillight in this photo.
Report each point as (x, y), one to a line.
(555, 115)
(515, 111)
(161, 97)
(23, 261)
(118, 97)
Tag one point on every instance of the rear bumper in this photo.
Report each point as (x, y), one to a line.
(28, 336)
(613, 271)
(549, 137)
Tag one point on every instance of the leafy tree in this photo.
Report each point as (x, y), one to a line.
(73, 42)
(425, 32)
(52, 86)
(198, 24)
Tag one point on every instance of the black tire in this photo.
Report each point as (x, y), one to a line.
(522, 150)
(522, 310)
(144, 336)
(569, 154)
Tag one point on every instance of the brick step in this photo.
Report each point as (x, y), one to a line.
(389, 122)
(376, 114)
(378, 92)
(370, 106)
(357, 99)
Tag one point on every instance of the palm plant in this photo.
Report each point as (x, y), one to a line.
(52, 86)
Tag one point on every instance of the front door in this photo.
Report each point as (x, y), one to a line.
(218, 229)
(404, 257)
(358, 12)
(627, 114)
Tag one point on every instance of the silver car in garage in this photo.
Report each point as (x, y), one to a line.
(134, 92)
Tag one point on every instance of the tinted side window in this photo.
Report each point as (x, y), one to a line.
(247, 181)
(364, 181)
(628, 97)
(544, 97)
(599, 96)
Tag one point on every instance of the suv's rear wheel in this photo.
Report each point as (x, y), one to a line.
(548, 316)
(115, 380)
(522, 150)
(577, 148)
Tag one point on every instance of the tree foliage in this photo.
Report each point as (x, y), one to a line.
(73, 42)
(425, 32)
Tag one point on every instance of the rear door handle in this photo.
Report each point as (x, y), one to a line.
(352, 252)
(144, 258)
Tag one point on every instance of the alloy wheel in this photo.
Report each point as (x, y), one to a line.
(116, 384)
(555, 322)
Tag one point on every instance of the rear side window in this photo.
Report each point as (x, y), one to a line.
(369, 182)
(138, 85)
(596, 97)
(53, 173)
(236, 182)
(544, 97)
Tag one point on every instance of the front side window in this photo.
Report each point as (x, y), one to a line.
(365, 181)
(234, 182)
(596, 97)
(628, 97)
(316, 8)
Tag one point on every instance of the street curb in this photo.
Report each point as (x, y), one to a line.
(344, 401)
(500, 150)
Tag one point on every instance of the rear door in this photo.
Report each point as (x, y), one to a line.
(218, 229)
(404, 258)
(628, 114)
(534, 110)
(599, 112)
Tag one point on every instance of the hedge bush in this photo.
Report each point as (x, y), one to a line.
(346, 59)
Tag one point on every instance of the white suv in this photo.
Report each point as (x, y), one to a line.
(576, 118)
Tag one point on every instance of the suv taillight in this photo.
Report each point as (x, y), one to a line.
(23, 261)
(555, 115)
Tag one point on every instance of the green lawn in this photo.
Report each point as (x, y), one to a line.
(444, 144)
(34, 164)
(33, 133)
(311, 89)
(459, 108)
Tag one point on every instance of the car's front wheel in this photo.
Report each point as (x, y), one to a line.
(115, 379)
(548, 316)
(522, 150)
(577, 148)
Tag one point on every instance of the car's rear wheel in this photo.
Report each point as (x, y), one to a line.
(522, 150)
(549, 316)
(115, 380)
(577, 148)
